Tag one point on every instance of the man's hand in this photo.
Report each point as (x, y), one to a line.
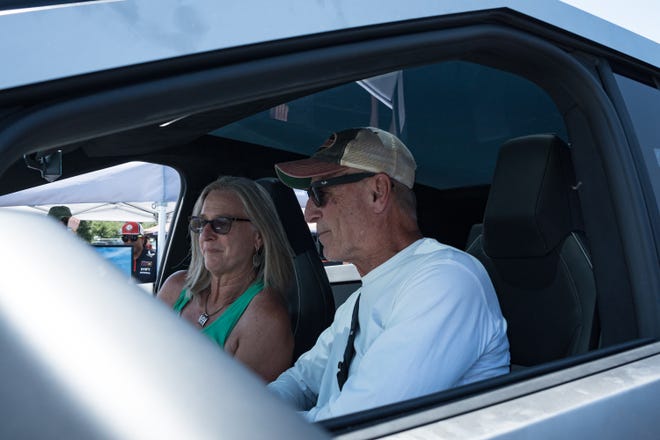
(73, 223)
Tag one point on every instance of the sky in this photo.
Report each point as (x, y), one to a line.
(639, 16)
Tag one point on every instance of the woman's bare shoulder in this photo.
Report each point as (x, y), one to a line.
(270, 302)
(268, 312)
(262, 338)
(171, 289)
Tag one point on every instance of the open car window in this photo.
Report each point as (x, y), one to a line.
(102, 202)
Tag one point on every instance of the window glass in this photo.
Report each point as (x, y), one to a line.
(643, 104)
(453, 116)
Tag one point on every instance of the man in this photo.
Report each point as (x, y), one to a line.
(144, 259)
(63, 214)
(428, 317)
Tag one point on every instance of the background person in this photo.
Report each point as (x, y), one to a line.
(144, 259)
(241, 266)
(63, 214)
(426, 317)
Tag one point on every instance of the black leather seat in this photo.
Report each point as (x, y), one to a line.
(534, 252)
(310, 300)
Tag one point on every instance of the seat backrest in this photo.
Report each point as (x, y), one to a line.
(534, 253)
(310, 300)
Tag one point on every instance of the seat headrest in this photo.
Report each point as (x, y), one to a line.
(528, 208)
(310, 300)
(290, 213)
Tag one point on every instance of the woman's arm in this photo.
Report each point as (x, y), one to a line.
(171, 289)
(263, 338)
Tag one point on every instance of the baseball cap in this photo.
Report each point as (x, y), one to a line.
(366, 148)
(132, 228)
(59, 212)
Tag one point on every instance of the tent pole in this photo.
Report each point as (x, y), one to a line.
(162, 220)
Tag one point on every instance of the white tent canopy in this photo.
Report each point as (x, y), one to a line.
(143, 212)
(129, 182)
(134, 191)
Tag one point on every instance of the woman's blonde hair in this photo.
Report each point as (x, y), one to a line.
(274, 261)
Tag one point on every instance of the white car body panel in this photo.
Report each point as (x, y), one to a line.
(49, 43)
(89, 322)
(597, 406)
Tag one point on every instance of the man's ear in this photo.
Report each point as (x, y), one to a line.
(381, 192)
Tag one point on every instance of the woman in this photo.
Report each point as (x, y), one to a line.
(241, 266)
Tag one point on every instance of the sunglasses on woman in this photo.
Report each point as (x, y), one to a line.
(220, 225)
(315, 190)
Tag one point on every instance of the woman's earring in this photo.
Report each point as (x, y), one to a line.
(256, 259)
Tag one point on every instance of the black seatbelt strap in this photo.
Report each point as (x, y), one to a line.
(349, 352)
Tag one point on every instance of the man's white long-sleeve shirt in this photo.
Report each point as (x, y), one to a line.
(429, 320)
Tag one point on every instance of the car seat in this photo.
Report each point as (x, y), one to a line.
(533, 249)
(310, 301)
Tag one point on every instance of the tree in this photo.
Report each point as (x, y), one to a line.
(85, 231)
(91, 230)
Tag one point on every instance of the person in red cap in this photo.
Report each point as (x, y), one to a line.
(144, 259)
(426, 317)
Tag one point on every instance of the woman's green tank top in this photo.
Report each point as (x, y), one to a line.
(220, 329)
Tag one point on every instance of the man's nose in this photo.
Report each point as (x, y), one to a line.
(312, 212)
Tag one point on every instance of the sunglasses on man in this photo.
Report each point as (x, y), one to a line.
(127, 238)
(220, 225)
(315, 190)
